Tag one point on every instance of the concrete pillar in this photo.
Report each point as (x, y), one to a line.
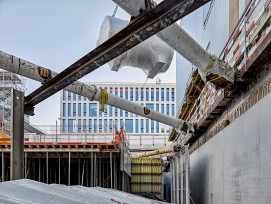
(17, 135)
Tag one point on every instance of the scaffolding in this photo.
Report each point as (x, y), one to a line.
(8, 81)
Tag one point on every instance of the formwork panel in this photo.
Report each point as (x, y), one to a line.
(146, 176)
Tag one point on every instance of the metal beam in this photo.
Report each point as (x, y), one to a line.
(143, 27)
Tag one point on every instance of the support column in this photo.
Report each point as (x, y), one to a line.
(47, 168)
(79, 170)
(187, 185)
(3, 166)
(39, 170)
(69, 171)
(59, 168)
(17, 135)
(25, 165)
(111, 174)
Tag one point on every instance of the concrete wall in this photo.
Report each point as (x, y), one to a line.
(235, 166)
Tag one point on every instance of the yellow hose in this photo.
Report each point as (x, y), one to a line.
(103, 98)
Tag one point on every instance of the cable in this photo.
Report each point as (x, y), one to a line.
(115, 11)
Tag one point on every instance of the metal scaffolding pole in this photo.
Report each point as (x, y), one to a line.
(59, 168)
(91, 169)
(69, 170)
(47, 168)
(25, 165)
(39, 170)
(95, 180)
(79, 170)
(111, 174)
(17, 136)
(3, 166)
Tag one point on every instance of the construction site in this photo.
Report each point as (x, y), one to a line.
(204, 140)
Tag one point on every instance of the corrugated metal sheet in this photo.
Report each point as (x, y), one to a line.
(30, 192)
(146, 176)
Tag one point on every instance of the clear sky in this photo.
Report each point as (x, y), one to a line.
(55, 34)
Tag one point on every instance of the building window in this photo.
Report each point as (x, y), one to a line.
(157, 127)
(95, 125)
(93, 109)
(79, 109)
(121, 123)
(64, 125)
(116, 112)
(126, 93)
(152, 126)
(162, 108)
(74, 110)
(172, 94)
(167, 94)
(116, 124)
(157, 107)
(173, 110)
(85, 110)
(85, 125)
(152, 94)
(100, 125)
(64, 95)
(110, 125)
(69, 96)
(167, 109)
(147, 125)
(147, 94)
(162, 94)
(116, 91)
(90, 125)
(142, 125)
(64, 110)
(126, 113)
(129, 125)
(74, 97)
(121, 113)
(105, 110)
(136, 95)
(69, 110)
(111, 90)
(70, 125)
(79, 125)
(105, 126)
(121, 92)
(136, 126)
(131, 93)
(142, 94)
(150, 106)
(85, 98)
(79, 98)
(110, 111)
(157, 94)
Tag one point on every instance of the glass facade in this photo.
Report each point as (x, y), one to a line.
(85, 117)
(129, 125)
(79, 110)
(92, 109)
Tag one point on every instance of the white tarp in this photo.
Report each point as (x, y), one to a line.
(153, 55)
(30, 192)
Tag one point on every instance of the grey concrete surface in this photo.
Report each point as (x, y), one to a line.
(234, 167)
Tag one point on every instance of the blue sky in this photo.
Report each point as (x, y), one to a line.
(56, 33)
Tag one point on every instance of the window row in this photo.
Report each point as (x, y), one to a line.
(92, 110)
(132, 94)
(110, 125)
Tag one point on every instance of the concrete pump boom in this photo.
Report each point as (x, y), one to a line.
(183, 43)
(24, 68)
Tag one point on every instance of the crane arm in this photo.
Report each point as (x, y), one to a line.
(184, 44)
(27, 69)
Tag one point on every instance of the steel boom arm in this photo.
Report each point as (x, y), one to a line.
(27, 69)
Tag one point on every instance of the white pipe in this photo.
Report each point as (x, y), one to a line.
(184, 44)
(24, 68)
